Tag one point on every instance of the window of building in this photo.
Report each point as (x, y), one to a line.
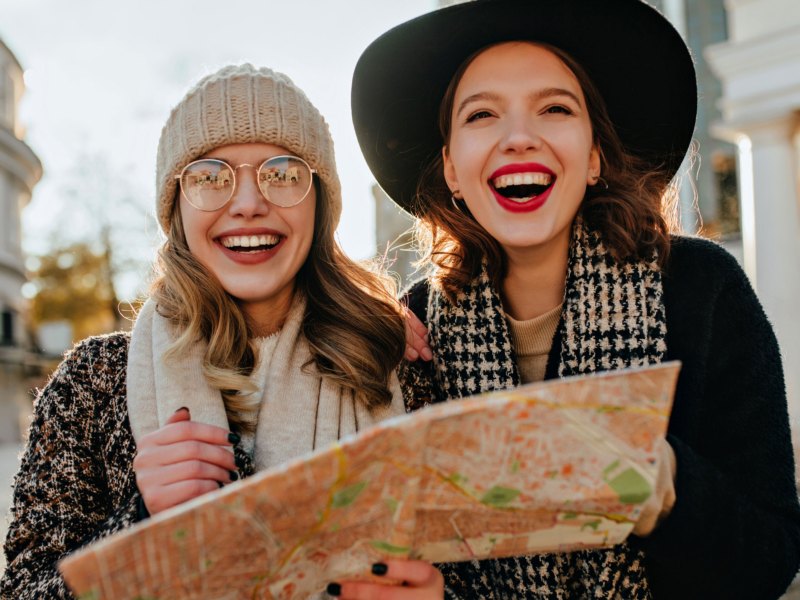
(724, 166)
(13, 213)
(6, 327)
(6, 98)
(5, 217)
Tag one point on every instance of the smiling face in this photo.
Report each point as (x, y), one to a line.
(520, 150)
(254, 248)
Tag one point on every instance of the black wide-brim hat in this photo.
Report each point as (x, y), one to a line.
(634, 56)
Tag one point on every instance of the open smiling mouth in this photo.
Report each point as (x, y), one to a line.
(522, 187)
(250, 244)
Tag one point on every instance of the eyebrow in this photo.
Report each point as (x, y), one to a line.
(539, 95)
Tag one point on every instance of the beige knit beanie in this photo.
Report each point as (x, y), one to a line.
(240, 104)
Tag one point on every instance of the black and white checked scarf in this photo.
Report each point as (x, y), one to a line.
(613, 317)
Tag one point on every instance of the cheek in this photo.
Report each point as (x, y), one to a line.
(195, 227)
(464, 158)
(585, 143)
(574, 153)
(309, 231)
(303, 227)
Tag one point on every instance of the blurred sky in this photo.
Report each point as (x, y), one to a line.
(102, 75)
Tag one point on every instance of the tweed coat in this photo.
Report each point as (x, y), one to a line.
(75, 482)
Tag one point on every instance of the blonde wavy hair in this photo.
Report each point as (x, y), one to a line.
(353, 323)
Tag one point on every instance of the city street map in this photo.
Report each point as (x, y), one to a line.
(546, 467)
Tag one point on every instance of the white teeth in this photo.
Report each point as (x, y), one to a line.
(249, 241)
(522, 179)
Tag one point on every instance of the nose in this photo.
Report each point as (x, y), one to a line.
(520, 134)
(247, 200)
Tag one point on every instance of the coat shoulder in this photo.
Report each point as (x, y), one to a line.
(97, 363)
(100, 346)
(702, 264)
(701, 253)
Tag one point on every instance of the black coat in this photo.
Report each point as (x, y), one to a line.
(734, 531)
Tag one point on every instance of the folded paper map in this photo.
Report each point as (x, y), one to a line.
(546, 467)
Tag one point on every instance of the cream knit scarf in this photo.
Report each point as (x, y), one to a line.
(299, 410)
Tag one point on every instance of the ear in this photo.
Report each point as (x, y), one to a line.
(595, 165)
(449, 170)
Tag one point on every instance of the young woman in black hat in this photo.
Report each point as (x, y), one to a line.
(536, 142)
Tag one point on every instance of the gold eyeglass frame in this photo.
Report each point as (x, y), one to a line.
(179, 179)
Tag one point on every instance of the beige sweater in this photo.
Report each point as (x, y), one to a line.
(532, 341)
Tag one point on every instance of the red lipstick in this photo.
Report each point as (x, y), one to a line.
(535, 202)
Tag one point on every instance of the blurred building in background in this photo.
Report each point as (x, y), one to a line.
(712, 207)
(20, 170)
(759, 67)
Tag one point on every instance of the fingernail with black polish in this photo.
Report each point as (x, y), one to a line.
(220, 484)
(379, 569)
(334, 589)
(234, 438)
(234, 475)
(182, 408)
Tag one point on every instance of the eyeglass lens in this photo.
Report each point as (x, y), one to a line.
(283, 180)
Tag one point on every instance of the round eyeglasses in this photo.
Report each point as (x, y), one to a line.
(208, 184)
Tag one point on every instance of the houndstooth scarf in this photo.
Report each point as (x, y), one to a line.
(612, 317)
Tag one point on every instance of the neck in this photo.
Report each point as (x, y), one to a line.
(534, 284)
(268, 316)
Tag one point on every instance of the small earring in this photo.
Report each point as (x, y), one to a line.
(455, 201)
(599, 180)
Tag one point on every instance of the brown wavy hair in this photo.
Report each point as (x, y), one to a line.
(353, 323)
(635, 215)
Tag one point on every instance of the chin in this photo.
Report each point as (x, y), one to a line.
(255, 298)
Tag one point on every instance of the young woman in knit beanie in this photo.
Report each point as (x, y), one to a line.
(535, 141)
(261, 341)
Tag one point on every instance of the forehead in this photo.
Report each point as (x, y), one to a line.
(521, 63)
(255, 151)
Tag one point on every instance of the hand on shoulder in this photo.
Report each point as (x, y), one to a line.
(416, 339)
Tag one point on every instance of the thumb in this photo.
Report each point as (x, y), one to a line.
(182, 414)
